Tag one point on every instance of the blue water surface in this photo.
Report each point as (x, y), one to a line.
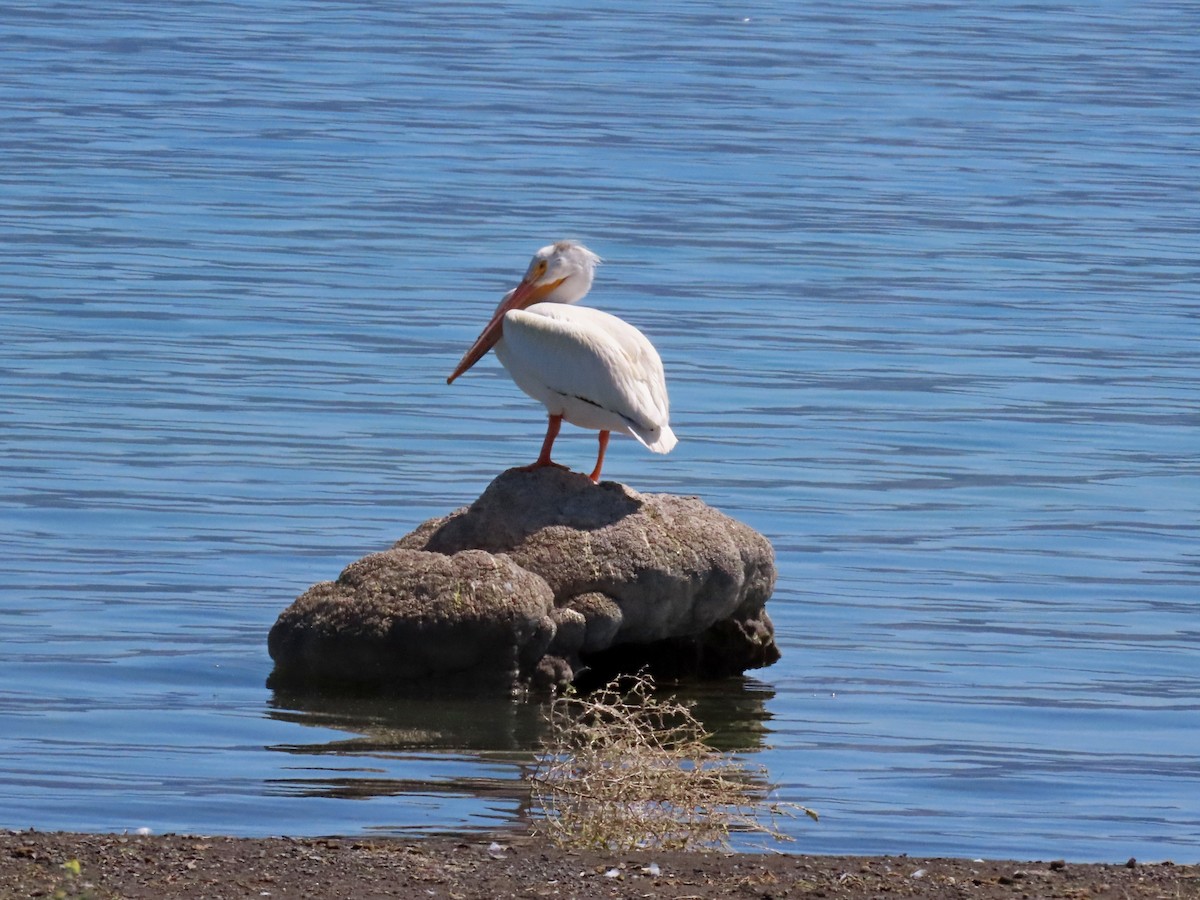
(926, 280)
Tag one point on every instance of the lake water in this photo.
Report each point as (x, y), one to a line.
(926, 280)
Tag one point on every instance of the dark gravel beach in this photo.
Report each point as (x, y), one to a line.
(103, 866)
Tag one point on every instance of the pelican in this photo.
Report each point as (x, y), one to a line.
(586, 366)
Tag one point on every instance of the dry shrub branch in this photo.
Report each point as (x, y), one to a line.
(621, 770)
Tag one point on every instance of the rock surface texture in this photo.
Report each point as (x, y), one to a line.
(545, 578)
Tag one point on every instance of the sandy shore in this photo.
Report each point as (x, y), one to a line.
(99, 867)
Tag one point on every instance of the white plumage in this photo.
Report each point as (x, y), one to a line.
(592, 368)
(586, 366)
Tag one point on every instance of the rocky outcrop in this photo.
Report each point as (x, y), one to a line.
(405, 615)
(544, 577)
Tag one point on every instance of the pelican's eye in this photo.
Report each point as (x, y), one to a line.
(537, 269)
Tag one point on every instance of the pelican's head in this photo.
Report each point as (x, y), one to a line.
(561, 272)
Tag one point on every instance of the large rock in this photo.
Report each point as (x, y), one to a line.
(406, 615)
(594, 577)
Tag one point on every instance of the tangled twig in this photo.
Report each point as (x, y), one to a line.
(621, 769)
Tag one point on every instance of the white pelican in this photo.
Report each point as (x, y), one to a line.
(586, 366)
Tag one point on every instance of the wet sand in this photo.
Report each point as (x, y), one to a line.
(103, 866)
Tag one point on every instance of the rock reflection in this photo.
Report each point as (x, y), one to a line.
(396, 724)
(733, 711)
(475, 749)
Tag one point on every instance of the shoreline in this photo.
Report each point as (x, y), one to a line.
(103, 866)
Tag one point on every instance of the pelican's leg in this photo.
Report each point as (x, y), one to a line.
(595, 476)
(544, 459)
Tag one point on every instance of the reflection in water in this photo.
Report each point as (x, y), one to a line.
(492, 733)
(392, 723)
(446, 752)
(733, 711)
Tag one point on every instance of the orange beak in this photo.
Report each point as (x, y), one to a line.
(526, 294)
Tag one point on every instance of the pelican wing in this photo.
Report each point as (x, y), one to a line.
(595, 357)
